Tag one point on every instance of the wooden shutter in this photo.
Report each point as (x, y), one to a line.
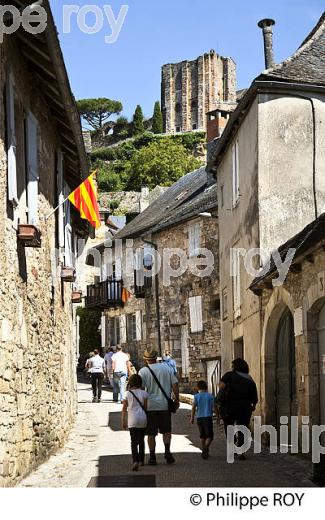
(195, 306)
(194, 239)
(11, 143)
(32, 169)
(69, 255)
(60, 198)
(103, 330)
(184, 351)
(123, 328)
(138, 323)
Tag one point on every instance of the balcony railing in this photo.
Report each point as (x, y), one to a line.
(141, 283)
(104, 295)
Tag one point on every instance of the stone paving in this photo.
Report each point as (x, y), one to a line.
(98, 446)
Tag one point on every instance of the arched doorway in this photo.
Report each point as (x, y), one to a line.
(285, 370)
(321, 362)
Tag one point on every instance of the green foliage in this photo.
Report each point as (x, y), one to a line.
(157, 119)
(90, 337)
(138, 124)
(121, 128)
(159, 163)
(97, 111)
(174, 157)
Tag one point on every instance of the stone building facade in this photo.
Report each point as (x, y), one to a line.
(293, 328)
(268, 164)
(184, 217)
(190, 89)
(41, 155)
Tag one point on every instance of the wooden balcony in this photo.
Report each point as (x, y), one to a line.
(104, 295)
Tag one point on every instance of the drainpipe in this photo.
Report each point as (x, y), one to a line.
(266, 25)
(155, 246)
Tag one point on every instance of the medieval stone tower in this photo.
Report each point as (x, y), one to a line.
(190, 89)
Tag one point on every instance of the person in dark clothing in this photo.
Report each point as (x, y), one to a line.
(237, 398)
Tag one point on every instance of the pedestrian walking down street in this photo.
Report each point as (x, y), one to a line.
(121, 369)
(203, 407)
(108, 362)
(160, 383)
(97, 369)
(237, 398)
(135, 408)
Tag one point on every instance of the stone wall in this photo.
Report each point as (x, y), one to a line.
(37, 356)
(303, 294)
(174, 305)
(174, 302)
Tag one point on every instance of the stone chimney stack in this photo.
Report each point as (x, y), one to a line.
(266, 25)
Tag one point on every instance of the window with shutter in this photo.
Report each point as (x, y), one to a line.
(235, 258)
(68, 245)
(185, 352)
(194, 239)
(60, 196)
(32, 168)
(123, 328)
(103, 331)
(195, 306)
(11, 141)
(235, 173)
(138, 321)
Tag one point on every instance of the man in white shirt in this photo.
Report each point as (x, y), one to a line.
(96, 365)
(121, 369)
(159, 416)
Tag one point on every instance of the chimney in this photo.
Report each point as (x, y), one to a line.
(266, 25)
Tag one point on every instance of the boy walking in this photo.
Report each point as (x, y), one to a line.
(203, 406)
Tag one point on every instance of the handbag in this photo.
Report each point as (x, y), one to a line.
(172, 408)
(136, 397)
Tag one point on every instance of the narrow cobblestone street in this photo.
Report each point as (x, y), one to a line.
(98, 447)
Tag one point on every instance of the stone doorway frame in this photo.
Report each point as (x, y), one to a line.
(279, 302)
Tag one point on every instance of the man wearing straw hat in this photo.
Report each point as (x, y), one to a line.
(160, 383)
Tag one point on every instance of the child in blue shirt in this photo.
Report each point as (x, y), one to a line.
(204, 406)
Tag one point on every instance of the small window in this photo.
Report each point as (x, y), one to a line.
(235, 173)
(221, 196)
(194, 126)
(215, 307)
(131, 327)
(178, 108)
(178, 129)
(239, 348)
(224, 303)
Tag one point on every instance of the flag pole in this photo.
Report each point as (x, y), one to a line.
(55, 209)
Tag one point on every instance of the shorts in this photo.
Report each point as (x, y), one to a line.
(205, 425)
(159, 421)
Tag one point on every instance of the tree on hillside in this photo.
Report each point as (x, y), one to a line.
(98, 111)
(157, 119)
(138, 124)
(159, 163)
(121, 128)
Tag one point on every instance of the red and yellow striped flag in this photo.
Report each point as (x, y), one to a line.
(84, 198)
(126, 295)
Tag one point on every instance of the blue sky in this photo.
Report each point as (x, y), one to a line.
(162, 31)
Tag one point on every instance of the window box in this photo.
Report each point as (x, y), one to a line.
(68, 274)
(76, 297)
(30, 235)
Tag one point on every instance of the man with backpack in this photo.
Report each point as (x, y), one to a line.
(160, 383)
